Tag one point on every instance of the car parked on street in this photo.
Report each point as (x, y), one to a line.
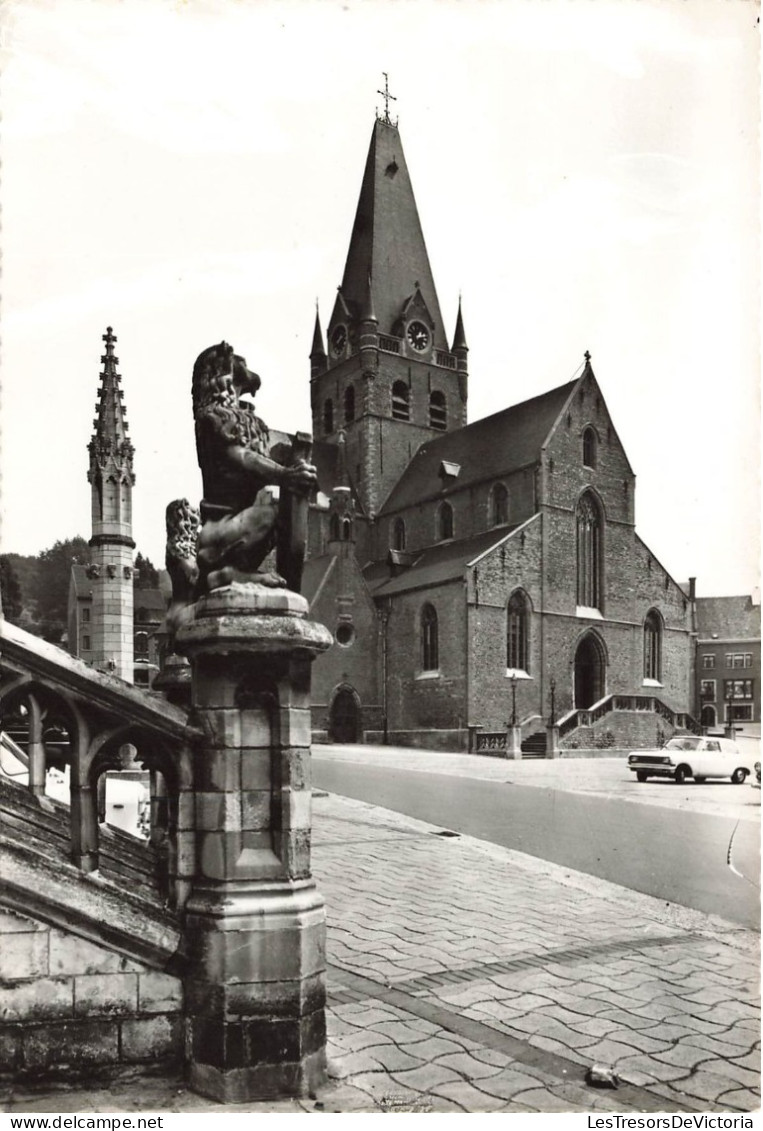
(755, 783)
(692, 756)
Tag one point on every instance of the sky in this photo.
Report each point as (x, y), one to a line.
(587, 177)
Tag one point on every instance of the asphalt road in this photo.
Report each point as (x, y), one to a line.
(703, 861)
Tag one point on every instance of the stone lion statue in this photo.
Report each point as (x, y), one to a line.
(180, 560)
(239, 521)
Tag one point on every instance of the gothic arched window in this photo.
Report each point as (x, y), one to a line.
(334, 528)
(401, 401)
(438, 411)
(653, 645)
(590, 444)
(444, 522)
(346, 529)
(430, 659)
(141, 645)
(589, 552)
(328, 415)
(517, 633)
(499, 505)
(398, 534)
(349, 404)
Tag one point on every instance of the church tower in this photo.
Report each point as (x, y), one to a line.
(389, 379)
(111, 481)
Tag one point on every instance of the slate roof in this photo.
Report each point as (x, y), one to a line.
(487, 449)
(435, 565)
(730, 618)
(82, 583)
(387, 244)
(313, 574)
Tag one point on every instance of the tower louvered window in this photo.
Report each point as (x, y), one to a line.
(590, 443)
(401, 401)
(438, 411)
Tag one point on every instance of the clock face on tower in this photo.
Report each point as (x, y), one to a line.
(338, 340)
(418, 336)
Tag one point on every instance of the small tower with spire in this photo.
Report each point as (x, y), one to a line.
(111, 479)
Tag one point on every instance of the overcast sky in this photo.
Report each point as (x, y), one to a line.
(586, 173)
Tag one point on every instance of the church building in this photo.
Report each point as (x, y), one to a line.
(471, 573)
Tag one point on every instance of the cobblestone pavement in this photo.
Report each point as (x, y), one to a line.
(465, 977)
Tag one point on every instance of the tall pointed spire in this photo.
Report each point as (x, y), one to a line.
(110, 439)
(111, 479)
(459, 337)
(317, 352)
(387, 244)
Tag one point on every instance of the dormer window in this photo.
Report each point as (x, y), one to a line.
(401, 401)
(438, 411)
(349, 404)
(590, 443)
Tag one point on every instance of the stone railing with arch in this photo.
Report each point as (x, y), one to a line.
(103, 717)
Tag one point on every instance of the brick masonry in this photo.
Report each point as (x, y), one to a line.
(69, 1006)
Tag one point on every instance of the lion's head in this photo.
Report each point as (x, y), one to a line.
(221, 376)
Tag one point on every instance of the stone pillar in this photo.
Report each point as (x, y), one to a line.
(514, 742)
(36, 749)
(552, 742)
(254, 921)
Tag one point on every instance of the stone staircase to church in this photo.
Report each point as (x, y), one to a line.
(122, 905)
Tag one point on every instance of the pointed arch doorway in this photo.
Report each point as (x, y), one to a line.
(590, 672)
(344, 717)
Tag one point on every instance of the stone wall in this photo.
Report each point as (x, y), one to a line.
(69, 1006)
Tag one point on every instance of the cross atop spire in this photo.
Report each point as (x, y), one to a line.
(387, 98)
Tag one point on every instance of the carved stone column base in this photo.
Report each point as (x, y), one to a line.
(255, 1000)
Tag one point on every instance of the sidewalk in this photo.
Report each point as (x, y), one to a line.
(465, 977)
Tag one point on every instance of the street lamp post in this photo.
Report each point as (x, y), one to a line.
(552, 718)
(514, 700)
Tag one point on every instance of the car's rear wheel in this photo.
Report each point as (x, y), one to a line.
(699, 781)
(738, 776)
(681, 774)
(640, 775)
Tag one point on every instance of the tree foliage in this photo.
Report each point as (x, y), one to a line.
(10, 590)
(145, 573)
(52, 584)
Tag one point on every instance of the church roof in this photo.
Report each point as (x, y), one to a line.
(314, 573)
(387, 244)
(435, 565)
(83, 586)
(728, 618)
(487, 449)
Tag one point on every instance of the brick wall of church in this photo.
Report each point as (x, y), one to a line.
(418, 700)
(515, 564)
(471, 512)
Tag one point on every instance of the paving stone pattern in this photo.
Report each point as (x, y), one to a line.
(467, 977)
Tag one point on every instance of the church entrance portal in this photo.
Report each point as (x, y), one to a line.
(589, 672)
(344, 721)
